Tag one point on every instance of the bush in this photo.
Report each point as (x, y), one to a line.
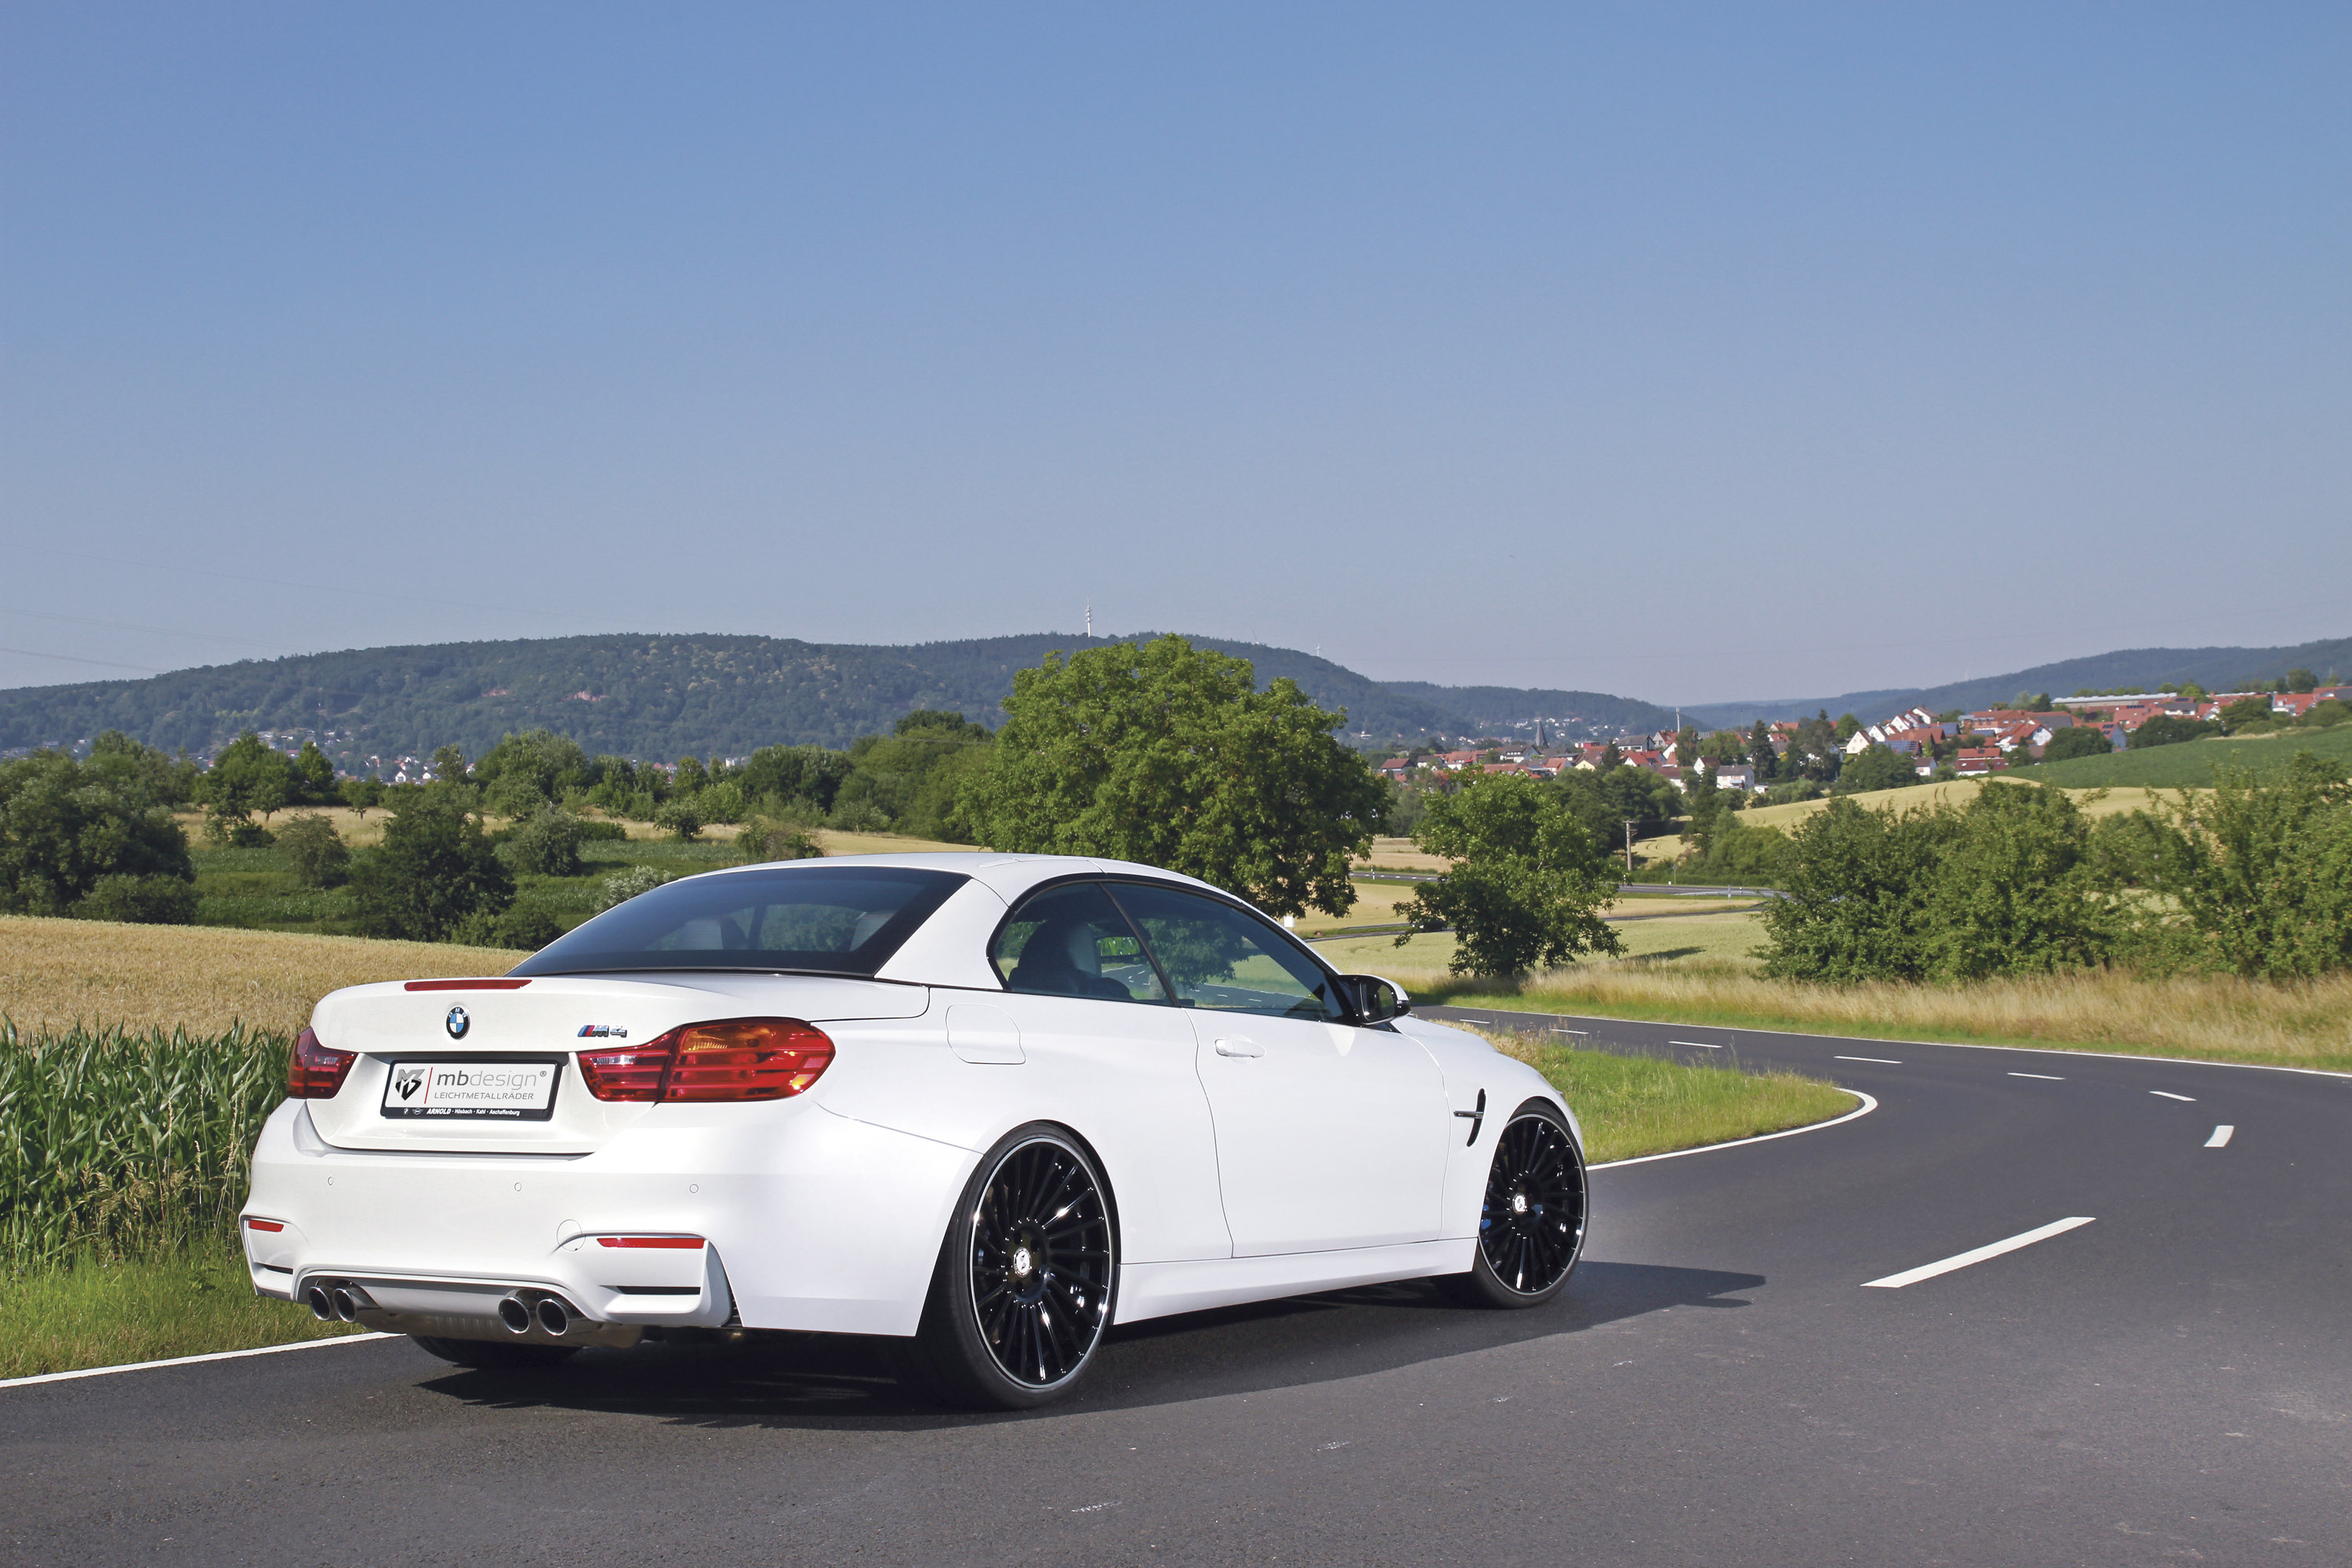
(141, 901)
(1875, 768)
(522, 926)
(548, 844)
(763, 840)
(434, 868)
(2165, 730)
(2082, 741)
(2007, 884)
(622, 886)
(680, 820)
(317, 852)
(64, 831)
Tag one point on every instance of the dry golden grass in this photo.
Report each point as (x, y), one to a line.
(1957, 792)
(2211, 1017)
(54, 973)
(1399, 855)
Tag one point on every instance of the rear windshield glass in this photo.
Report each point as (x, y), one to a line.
(822, 920)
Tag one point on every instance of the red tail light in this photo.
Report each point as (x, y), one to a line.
(315, 1072)
(732, 1059)
(672, 1243)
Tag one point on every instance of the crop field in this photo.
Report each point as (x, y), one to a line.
(2192, 764)
(1723, 938)
(2096, 803)
(55, 974)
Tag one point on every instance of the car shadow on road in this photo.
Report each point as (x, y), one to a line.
(839, 1380)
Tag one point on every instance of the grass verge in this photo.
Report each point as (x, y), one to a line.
(60, 1320)
(1631, 1106)
(2304, 1023)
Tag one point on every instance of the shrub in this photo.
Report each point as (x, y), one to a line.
(763, 840)
(680, 819)
(2082, 741)
(63, 831)
(622, 886)
(141, 901)
(2165, 730)
(316, 851)
(434, 868)
(522, 925)
(548, 844)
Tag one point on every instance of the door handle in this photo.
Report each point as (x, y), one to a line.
(1238, 1047)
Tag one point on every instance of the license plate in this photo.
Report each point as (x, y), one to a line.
(457, 1090)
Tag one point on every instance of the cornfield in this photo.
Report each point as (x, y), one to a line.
(120, 1144)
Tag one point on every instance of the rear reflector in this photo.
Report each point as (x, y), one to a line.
(732, 1059)
(314, 1072)
(272, 1224)
(465, 984)
(682, 1243)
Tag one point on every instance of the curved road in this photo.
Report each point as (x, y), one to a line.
(1723, 1385)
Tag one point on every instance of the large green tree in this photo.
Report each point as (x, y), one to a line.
(76, 841)
(2080, 741)
(1166, 753)
(434, 868)
(1525, 883)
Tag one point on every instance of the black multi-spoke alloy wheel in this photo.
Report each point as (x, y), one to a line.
(491, 1355)
(1531, 1226)
(1023, 1291)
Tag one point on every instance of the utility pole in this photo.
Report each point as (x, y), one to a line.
(1629, 844)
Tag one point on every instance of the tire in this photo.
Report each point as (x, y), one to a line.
(489, 1355)
(1023, 1289)
(1531, 1224)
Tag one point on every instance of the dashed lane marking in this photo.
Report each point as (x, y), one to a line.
(2221, 1139)
(2166, 1094)
(1977, 1255)
(1702, 1045)
(1882, 1062)
(2053, 1077)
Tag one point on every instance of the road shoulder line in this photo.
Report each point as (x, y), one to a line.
(1869, 1103)
(189, 1359)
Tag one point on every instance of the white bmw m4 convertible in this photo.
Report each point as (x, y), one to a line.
(986, 1106)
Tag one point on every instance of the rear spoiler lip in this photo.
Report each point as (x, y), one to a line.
(464, 984)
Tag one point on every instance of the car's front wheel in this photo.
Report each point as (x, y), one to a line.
(1022, 1290)
(1531, 1224)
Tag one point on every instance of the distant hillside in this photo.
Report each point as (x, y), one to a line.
(2143, 669)
(665, 697)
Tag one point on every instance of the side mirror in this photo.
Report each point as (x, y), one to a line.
(1378, 1000)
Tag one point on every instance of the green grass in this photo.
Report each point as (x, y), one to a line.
(1647, 1105)
(2191, 764)
(191, 1303)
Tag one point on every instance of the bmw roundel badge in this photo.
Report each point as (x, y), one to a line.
(459, 1023)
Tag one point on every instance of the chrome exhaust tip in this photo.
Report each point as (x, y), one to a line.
(321, 1305)
(346, 1305)
(515, 1313)
(554, 1315)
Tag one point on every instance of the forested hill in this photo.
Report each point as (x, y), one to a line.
(2139, 668)
(666, 697)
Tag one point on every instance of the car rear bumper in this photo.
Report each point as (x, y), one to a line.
(816, 1222)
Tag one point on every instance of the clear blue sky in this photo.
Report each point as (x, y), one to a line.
(1690, 354)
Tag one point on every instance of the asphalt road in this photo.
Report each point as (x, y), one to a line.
(2169, 1383)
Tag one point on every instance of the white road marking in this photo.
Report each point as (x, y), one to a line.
(2165, 1094)
(1868, 1104)
(189, 1360)
(2053, 1077)
(1882, 1062)
(1557, 1030)
(2221, 1139)
(1961, 1261)
(1702, 1045)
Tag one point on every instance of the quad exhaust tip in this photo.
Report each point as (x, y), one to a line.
(515, 1313)
(321, 1305)
(554, 1316)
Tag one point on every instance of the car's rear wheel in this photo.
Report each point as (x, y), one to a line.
(1531, 1224)
(491, 1355)
(1023, 1291)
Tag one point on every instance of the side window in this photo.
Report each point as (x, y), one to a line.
(1227, 958)
(1073, 942)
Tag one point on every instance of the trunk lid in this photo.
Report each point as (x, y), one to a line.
(514, 1046)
